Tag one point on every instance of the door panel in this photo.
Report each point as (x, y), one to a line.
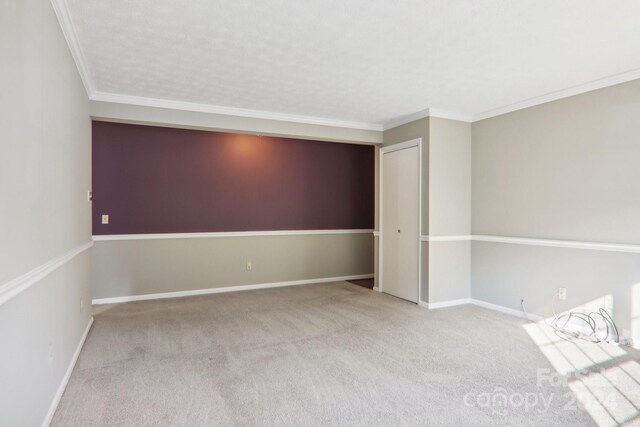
(390, 221)
(400, 227)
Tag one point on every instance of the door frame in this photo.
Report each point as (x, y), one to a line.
(417, 142)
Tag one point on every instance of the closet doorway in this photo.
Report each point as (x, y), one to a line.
(400, 220)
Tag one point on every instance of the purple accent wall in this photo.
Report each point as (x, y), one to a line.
(163, 180)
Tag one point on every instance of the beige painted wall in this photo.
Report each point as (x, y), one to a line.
(44, 178)
(449, 271)
(406, 132)
(568, 169)
(110, 111)
(140, 267)
(44, 319)
(449, 209)
(504, 274)
(449, 177)
(45, 141)
(564, 170)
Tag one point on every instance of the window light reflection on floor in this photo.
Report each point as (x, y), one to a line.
(605, 382)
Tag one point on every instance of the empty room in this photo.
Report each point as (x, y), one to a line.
(319, 213)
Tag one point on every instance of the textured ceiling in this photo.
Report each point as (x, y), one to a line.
(355, 60)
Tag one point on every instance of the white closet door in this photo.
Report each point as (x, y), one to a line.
(400, 223)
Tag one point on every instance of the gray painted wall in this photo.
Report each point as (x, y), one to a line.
(449, 271)
(110, 111)
(449, 177)
(44, 178)
(416, 129)
(42, 320)
(567, 169)
(564, 170)
(139, 267)
(504, 273)
(449, 209)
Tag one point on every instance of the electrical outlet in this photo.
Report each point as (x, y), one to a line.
(249, 266)
(105, 219)
(562, 293)
(626, 342)
(89, 195)
(625, 338)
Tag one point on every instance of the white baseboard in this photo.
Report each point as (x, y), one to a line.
(195, 292)
(444, 304)
(450, 303)
(67, 375)
(490, 306)
(506, 310)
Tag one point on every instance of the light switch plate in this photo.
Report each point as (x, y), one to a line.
(105, 219)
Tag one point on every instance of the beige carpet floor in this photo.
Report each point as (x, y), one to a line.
(320, 355)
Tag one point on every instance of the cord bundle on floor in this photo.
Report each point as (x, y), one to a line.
(591, 320)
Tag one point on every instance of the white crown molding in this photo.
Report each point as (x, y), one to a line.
(225, 289)
(109, 237)
(399, 121)
(230, 111)
(571, 244)
(25, 281)
(439, 113)
(67, 376)
(70, 35)
(564, 93)
(531, 102)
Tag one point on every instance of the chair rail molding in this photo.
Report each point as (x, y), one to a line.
(23, 282)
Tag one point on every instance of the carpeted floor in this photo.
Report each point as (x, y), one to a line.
(334, 354)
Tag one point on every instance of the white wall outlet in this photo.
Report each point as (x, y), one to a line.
(249, 266)
(89, 195)
(105, 219)
(562, 293)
